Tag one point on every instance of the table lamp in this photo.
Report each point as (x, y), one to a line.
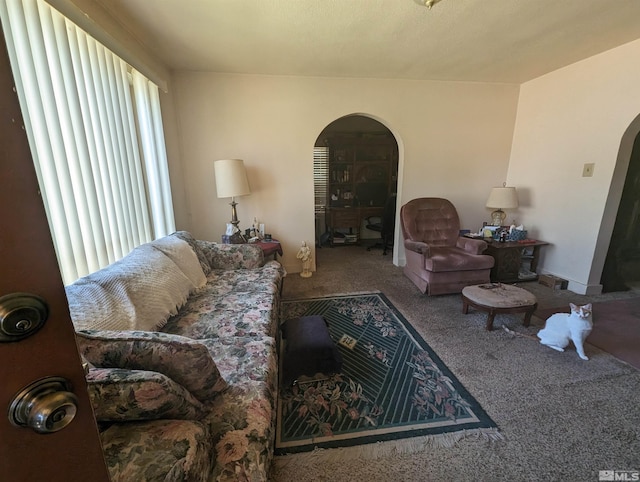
(501, 198)
(231, 181)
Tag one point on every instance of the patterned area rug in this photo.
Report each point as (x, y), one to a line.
(392, 385)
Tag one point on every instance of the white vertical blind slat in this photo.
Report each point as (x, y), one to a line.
(154, 154)
(162, 163)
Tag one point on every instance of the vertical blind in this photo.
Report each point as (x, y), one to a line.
(320, 177)
(96, 137)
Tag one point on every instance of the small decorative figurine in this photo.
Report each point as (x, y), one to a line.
(304, 254)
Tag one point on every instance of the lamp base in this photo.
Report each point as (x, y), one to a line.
(497, 217)
(234, 216)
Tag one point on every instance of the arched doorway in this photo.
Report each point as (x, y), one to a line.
(355, 174)
(622, 264)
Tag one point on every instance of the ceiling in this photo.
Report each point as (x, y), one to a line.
(467, 40)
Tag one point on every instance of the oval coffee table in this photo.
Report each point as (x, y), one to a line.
(495, 298)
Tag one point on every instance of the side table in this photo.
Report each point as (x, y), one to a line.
(270, 248)
(509, 258)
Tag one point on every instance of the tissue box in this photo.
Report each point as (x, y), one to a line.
(517, 235)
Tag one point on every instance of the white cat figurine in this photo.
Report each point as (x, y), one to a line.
(562, 328)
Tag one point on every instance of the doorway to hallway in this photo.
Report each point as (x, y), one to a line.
(355, 173)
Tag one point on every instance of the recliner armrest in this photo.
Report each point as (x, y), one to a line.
(417, 247)
(473, 246)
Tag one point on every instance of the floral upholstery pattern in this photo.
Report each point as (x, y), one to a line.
(132, 451)
(220, 348)
(232, 303)
(245, 359)
(184, 360)
(231, 256)
(235, 314)
(268, 278)
(242, 424)
(119, 395)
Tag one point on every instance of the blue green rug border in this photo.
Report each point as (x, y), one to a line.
(484, 420)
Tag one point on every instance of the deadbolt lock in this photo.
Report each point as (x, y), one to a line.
(21, 315)
(45, 406)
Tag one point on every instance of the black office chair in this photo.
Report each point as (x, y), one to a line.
(385, 226)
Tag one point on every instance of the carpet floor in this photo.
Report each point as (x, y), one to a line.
(562, 418)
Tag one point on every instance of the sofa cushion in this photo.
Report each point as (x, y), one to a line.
(119, 395)
(456, 259)
(242, 359)
(196, 246)
(139, 292)
(184, 360)
(235, 314)
(183, 256)
(158, 450)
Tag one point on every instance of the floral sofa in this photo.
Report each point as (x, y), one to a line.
(179, 336)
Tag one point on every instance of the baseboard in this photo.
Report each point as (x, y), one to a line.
(583, 289)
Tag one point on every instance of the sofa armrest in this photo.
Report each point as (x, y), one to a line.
(119, 395)
(473, 246)
(186, 361)
(417, 247)
(232, 256)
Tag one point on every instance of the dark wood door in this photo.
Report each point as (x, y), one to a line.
(28, 265)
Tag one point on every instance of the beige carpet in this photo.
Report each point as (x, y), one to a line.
(562, 418)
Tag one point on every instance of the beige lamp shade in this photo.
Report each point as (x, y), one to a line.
(501, 198)
(231, 178)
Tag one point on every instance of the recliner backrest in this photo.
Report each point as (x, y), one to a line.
(431, 220)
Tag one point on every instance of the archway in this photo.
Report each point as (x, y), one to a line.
(618, 247)
(355, 174)
(622, 264)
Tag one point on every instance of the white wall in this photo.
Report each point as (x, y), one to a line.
(454, 142)
(567, 118)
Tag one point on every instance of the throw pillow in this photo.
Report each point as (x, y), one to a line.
(119, 395)
(183, 256)
(182, 359)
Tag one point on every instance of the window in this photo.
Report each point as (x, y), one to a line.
(96, 137)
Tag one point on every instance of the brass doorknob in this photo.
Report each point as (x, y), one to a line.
(45, 406)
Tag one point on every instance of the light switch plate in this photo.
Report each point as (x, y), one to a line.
(587, 170)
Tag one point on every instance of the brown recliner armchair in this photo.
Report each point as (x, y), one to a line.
(439, 260)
